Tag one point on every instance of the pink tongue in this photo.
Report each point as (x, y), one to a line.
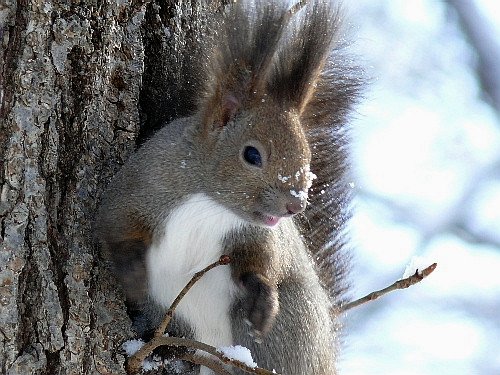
(271, 220)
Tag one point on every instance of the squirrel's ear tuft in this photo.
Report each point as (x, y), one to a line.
(239, 57)
(302, 58)
(219, 110)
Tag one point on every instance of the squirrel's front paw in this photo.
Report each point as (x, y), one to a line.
(260, 303)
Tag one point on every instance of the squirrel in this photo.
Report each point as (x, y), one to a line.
(257, 172)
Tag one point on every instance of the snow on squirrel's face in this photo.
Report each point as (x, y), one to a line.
(263, 171)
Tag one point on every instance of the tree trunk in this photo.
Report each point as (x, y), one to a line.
(71, 75)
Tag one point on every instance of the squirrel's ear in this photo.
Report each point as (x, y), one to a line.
(229, 106)
(220, 110)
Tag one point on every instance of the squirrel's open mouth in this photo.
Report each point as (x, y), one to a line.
(268, 220)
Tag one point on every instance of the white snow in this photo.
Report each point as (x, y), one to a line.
(239, 353)
(300, 194)
(310, 176)
(132, 346)
(152, 364)
(306, 171)
(283, 179)
(416, 263)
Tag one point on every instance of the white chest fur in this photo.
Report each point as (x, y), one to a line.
(192, 240)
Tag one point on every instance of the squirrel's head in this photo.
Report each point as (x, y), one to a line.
(272, 91)
(257, 160)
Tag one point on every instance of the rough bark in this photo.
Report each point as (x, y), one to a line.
(70, 81)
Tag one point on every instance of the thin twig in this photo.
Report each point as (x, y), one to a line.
(193, 344)
(400, 284)
(200, 346)
(134, 363)
(201, 360)
(223, 260)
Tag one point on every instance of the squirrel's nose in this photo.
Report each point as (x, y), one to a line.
(296, 206)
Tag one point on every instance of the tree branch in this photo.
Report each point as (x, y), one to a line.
(215, 366)
(193, 344)
(400, 284)
(134, 363)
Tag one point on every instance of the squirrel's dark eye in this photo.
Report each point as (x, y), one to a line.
(252, 156)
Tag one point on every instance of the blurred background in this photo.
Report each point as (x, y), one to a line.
(427, 176)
